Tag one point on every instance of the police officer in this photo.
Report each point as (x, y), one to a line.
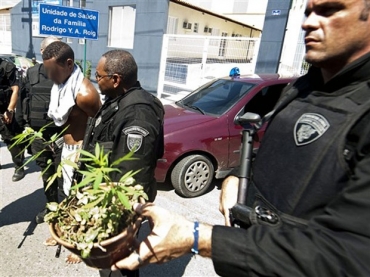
(310, 194)
(131, 118)
(9, 127)
(34, 112)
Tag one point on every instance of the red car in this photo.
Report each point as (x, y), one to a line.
(201, 139)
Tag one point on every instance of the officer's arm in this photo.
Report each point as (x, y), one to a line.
(137, 127)
(14, 98)
(13, 83)
(88, 99)
(334, 243)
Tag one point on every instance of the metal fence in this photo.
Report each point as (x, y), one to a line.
(188, 62)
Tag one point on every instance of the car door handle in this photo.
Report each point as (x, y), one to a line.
(236, 151)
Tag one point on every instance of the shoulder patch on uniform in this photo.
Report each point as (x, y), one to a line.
(134, 141)
(135, 130)
(309, 127)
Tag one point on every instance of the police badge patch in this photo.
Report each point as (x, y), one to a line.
(97, 122)
(135, 137)
(309, 127)
(134, 141)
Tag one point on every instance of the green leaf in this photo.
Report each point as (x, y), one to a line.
(32, 158)
(51, 180)
(77, 217)
(70, 163)
(94, 203)
(52, 206)
(84, 172)
(98, 180)
(49, 217)
(38, 134)
(124, 200)
(128, 175)
(85, 153)
(85, 181)
(109, 170)
(85, 253)
(127, 157)
(97, 150)
(54, 137)
(45, 126)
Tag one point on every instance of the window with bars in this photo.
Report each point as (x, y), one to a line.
(172, 25)
(5, 22)
(195, 27)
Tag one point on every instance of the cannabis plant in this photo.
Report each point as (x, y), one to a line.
(29, 135)
(97, 208)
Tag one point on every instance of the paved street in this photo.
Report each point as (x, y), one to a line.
(23, 254)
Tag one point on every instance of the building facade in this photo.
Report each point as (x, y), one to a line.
(187, 19)
(5, 27)
(137, 26)
(250, 12)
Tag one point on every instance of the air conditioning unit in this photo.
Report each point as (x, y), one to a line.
(186, 25)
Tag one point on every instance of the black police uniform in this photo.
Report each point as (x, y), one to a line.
(312, 169)
(134, 118)
(8, 78)
(36, 79)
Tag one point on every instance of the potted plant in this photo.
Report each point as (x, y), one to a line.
(80, 63)
(96, 221)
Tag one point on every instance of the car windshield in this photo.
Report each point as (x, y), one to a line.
(216, 97)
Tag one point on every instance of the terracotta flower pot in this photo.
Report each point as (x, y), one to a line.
(117, 247)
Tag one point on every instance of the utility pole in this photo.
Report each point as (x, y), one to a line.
(276, 18)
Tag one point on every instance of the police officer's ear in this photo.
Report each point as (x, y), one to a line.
(117, 80)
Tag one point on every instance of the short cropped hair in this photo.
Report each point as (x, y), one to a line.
(48, 40)
(60, 51)
(122, 63)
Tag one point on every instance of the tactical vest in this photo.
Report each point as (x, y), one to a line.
(5, 89)
(106, 116)
(36, 105)
(314, 128)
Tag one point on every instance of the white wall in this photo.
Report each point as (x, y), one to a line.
(292, 54)
(250, 12)
(185, 14)
(5, 32)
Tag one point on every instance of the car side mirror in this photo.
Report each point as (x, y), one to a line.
(247, 119)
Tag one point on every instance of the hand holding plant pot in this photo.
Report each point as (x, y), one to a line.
(96, 221)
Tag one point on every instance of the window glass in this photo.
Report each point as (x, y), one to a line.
(265, 100)
(217, 97)
(172, 25)
(122, 26)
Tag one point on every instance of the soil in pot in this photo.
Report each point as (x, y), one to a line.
(109, 251)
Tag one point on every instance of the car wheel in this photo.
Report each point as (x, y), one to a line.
(192, 176)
